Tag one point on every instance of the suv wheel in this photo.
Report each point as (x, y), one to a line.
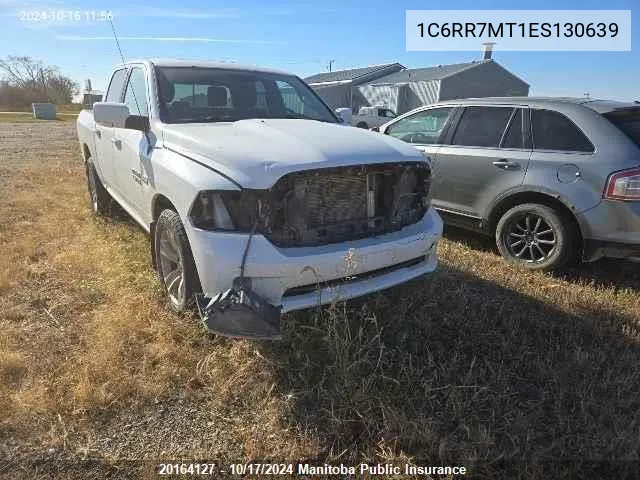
(362, 125)
(100, 198)
(176, 268)
(536, 236)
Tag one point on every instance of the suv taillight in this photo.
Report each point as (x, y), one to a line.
(623, 185)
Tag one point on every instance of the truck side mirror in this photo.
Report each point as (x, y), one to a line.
(110, 114)
(137, 122)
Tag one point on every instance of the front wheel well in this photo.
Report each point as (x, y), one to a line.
(530, 197)
(160, 204)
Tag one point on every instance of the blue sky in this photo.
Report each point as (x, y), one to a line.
(300, 37)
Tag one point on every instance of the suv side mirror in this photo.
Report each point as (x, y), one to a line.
(110, 114)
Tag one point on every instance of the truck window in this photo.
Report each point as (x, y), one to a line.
(192, 95)
(114, 92)
(135, 96)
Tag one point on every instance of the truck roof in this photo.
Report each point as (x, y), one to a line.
(161, 62)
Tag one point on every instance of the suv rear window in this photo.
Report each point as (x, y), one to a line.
(627, 120)
(553, 131)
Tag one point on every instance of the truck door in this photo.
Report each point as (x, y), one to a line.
(104, 135)
(131, 147)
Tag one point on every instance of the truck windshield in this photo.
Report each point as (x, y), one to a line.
(194, 95)
(627, 120)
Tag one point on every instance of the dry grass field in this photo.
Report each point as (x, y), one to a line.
(510, 373)
(25, 117)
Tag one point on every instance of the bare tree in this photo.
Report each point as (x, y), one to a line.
(32, 79)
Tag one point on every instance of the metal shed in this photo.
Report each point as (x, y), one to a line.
(404, 89)
(410, 88)
(337, 88)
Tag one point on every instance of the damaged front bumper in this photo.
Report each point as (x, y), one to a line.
(289, 279)
(240, 313)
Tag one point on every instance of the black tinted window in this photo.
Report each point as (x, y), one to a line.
(424, 127)
(482, 126)
(114, 93)
(627, 120)
(553, 131)
(513, 136)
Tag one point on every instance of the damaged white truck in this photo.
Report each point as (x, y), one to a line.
(257, 200)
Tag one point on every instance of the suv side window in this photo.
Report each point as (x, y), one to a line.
(482, 126)
(423, 127)
(135, 96)
(114, 92)
(513, 137)
(553, 131)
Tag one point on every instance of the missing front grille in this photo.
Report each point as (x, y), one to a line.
(348, 203)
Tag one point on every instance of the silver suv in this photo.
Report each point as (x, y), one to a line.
(553, 179)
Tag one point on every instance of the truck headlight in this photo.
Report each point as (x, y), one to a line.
(224, 210)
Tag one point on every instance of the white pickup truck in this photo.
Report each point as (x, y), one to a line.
(256, 198)
(367, 117)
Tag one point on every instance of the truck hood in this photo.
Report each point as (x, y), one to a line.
(255, 153)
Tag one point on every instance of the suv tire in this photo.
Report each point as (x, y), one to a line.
(362, 125)
(176, 268)
(536, 236)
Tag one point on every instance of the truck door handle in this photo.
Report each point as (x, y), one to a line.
(98, 133)
(117, 143)
(506, 164)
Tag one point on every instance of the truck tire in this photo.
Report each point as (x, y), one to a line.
(362, 125)
(101, 201)
(176, 268)
(536, 236)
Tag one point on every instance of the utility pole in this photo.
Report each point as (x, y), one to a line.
(331, 62)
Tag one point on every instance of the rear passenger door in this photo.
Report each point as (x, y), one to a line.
(487, 152)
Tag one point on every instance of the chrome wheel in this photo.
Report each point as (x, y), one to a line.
(172, 266)
(530, 238)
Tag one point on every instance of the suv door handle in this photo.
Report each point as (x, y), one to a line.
(506, 164)
(117, 143)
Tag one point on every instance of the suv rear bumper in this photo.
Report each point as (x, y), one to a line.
(595, 249)
(611, 229)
